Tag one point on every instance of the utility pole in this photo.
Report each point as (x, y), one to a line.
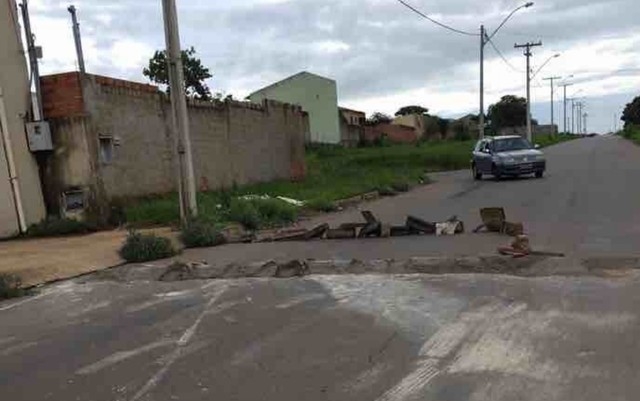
(76, 38)
(482, 44)
(180, 119)
(573, 113)
(564, 103)
(585, 115)
(551, 79)
(527, 46)
(579, 117)
(32, 51)
(484, 39)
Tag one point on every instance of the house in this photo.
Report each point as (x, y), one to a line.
(415, 121)
(113, 142)
(351, 127)
(317, 95)
(21, 201)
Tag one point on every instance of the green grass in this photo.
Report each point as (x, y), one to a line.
(545, 140)
(632, 133)
(332, 173)
(58, 227)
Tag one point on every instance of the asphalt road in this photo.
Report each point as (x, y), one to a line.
(364, 337)
(586, 205)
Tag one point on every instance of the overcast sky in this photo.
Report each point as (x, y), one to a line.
(381, 54)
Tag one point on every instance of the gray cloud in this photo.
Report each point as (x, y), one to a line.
(371, 47)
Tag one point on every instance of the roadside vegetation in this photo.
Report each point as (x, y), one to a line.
(552, 139)
(333, 173)
(632, 133)
(11, 286)
(53, 227)
(140, 247)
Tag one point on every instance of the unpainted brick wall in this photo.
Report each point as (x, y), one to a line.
(394, 133)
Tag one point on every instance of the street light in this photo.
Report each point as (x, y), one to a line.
(484, 39)
(564, 103)
(545, 63)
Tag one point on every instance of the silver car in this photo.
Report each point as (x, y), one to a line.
(502, 156)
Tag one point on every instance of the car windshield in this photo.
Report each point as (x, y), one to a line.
(505, 145)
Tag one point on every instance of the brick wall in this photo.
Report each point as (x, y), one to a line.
(232, 142)
(394, 133)
(62, 95)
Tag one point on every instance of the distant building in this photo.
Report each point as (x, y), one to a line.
(351, 126)
(415, 121)
(14, 96)
(317, 95)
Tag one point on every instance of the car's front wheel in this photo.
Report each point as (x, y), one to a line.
(477, 175)
(539, 174)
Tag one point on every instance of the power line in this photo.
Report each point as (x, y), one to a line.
(423, 15)
(503, 57)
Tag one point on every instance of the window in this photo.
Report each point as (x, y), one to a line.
(106, 149)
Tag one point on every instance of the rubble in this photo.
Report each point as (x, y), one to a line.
(494, 220)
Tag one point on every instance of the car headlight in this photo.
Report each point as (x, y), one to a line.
(538, 158)
(509, 159)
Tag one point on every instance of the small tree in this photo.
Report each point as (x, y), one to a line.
(379, 118)
(194, 73)
(510, 111)
(631, 113)
(409, 110)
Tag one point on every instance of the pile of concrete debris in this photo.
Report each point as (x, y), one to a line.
(370, 227)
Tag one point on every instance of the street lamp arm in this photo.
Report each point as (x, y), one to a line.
(543, 64)
(527, 5)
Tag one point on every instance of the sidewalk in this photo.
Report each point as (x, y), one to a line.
(41, 260)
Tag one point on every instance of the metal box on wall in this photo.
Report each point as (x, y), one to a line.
(39, 136)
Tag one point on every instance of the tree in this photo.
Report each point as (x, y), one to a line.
(194, 73)
(378, 118)
(409, 110)
(510, 111)
(631, 113)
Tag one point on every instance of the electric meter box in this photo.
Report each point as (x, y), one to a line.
(39, 136)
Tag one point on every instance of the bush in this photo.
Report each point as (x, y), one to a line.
(199, 233)
(275, 211)
(10, 286)
(322, 205)
(245, 213)
(257, 213)
(58, 227)
(142, 248)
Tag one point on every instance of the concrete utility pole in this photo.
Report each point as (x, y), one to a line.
(482, 44)
(585, 115)
(484, 39)
(573, 113)
(76, 38)
(564, 105)
(180, 118)
(551, 79)
(527, 46)
(32, 52)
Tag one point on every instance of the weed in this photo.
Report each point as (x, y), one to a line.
(322, 205)
(199, 233)
(11, 286)
(58, 227)
(145, 247)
